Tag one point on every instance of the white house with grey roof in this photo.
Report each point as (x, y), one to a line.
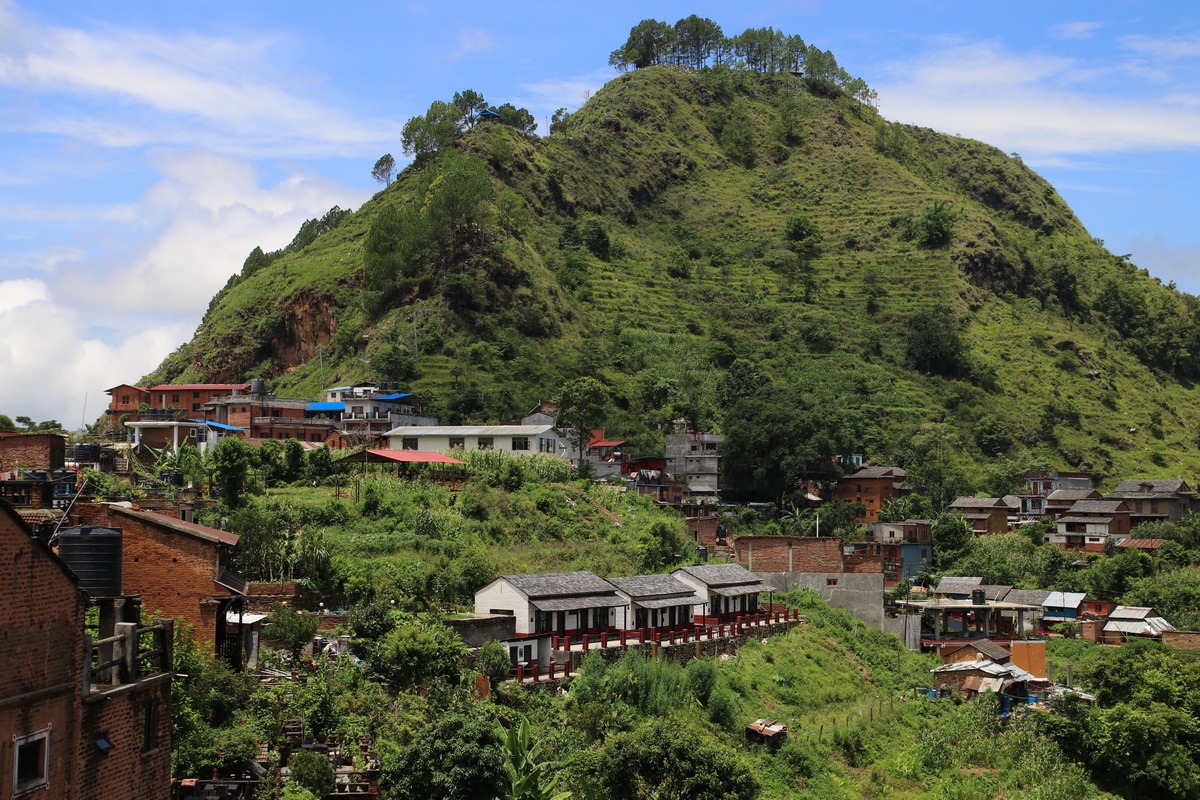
(724, 589)
(656, 601)
(560, 603)
(516, 439)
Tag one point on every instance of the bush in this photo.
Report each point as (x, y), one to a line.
(701, 679)
(723, 708)
(312, 772)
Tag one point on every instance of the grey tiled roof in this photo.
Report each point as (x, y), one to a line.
(1072, 494)
(552, 584)
(995, 591)
(648, 586)
(721, 574)
(1095, 506)
(878, 472)
(979, 502)
(1027, 597)
(958, 585)
(1156, 487)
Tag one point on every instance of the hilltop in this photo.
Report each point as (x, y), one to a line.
(690, 233)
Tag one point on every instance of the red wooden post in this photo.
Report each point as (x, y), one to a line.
(551, 667)
(585, 638)
(623, 637)
(533, 667)
(567, 643)
(604, 639)
(520, 672)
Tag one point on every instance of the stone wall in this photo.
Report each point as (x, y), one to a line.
(1182, 640)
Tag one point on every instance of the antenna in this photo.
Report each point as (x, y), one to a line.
(83, 417)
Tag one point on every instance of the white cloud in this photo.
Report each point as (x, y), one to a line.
(1030, 103)
(18, 293)
(1075, 30)
(472, 40)
(81, 365)
(129, 88)
(1169, 48)
(206, 214)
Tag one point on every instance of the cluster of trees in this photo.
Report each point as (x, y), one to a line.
(697, 42)
(443, 124)
(28, 425)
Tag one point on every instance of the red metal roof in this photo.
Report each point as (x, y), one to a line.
(124, 386)
(403, 457)
(191, 387)
(606, 443)
(1142, 544)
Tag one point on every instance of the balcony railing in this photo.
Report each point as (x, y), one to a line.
(132, 654)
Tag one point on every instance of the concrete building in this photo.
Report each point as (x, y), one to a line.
(694, 460)
(516, 439)
(656, 601)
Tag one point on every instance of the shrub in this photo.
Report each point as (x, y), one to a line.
(312, 772)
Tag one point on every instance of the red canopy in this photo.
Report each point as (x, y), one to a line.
(401, 457)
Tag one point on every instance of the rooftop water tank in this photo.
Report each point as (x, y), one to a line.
(258, 386)
(94, 554)
(979, 597)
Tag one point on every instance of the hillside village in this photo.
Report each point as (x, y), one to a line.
(128, 563)
(727, 442)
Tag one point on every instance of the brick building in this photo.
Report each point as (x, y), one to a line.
(180, 569)
(871, 487)
(32, 451)
(816, 554)
(71, 729)
(985, 515)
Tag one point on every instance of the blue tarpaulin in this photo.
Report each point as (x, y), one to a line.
(331, 406)
(393, 396)
(221, 426)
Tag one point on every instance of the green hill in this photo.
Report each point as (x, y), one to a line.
(917, 286)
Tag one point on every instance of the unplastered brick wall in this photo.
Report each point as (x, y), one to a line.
(41, 631)
(32, 451)
(132, 768)
(790, 553)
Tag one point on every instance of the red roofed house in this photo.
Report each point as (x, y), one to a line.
(871, 487)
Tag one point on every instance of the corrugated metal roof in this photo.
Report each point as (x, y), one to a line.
(332, 405)
(394, 396)
(469, 430)
(958, 585)
(1143, 544)
(1063, 599)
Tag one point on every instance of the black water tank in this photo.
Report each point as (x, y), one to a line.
(86, 452)
(94, 554)
(979, 597)
(258, 386)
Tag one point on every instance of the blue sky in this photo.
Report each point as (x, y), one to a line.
(147, 147)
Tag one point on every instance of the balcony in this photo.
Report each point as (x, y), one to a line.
(134, 654)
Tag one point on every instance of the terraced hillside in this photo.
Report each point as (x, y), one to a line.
(685, 222)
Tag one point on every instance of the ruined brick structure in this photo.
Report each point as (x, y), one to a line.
(32, 451)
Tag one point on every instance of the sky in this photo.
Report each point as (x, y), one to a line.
(147, 147)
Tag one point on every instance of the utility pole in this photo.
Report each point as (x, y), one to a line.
(417, 316)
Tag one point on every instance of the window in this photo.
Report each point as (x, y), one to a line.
(501, 612)
(124, 399)
(195, 406)
(195, 395)
(831, 581)
(150, 726)
(520, 443)
(31, 768)
(409, 443)
(485, 442)
(174, 398)
(457, 443)
(546, 446)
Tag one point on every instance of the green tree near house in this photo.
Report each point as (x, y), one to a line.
(232, 461)
(456, 757)
(292, 627)
(582, 405)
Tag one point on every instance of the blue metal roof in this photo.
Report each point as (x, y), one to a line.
(221, 426)
(336, 405)
(393, 396)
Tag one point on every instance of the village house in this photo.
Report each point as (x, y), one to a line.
(871, 487)
(694, 460)
(656, 601)
(1060, 501)
(1089, 525)
(906, 548)
(1040, 484)
(365, 412)
(260, 416)
(1145, 545)
(73, 729)
(958, 652)
(1127, 622)
(1156, 500)
(515, 439)
(180, 569)
(986, 515)
(725, 591)
(970, 678)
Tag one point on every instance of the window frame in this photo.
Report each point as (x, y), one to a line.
(520, 444)
(41, 781)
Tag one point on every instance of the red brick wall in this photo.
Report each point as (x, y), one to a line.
(41, 624)
(863, 564)
(789, 553)
(704, 529)
(32, 450)
(120, 393)
(871, 492)
(173, 572)
(126, 771)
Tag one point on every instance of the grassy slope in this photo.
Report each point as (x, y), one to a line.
(642, 155)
